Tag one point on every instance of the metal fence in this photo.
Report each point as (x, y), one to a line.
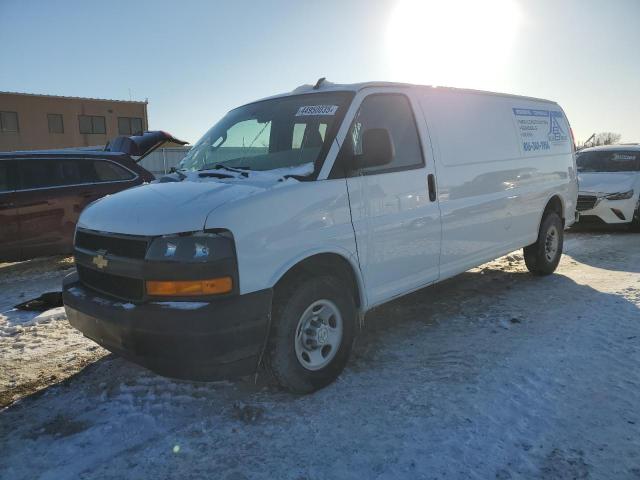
(161, 160)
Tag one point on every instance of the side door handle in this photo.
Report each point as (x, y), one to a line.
(431, 182)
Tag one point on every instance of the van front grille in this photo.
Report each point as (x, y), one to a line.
(586, 202)
(120, 245)
(124, 288)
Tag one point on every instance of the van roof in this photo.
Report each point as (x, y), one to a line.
(326, 86)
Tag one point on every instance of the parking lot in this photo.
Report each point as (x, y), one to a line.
(492, 374)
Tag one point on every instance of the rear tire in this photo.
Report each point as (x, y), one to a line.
(542, 257)
(635, 222)
(313, 327)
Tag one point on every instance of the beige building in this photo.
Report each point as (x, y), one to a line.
(29, 121)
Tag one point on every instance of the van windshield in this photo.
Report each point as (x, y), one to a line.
(608, 161)
(279, 133)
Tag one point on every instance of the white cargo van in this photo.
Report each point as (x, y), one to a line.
(295, 215)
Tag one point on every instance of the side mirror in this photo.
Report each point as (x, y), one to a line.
(377, 149)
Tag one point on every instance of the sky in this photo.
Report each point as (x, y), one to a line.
(196, 60)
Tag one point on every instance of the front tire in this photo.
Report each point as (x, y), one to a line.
(542, 257)
(313, 327)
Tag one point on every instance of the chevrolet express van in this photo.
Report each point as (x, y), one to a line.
(295, 215)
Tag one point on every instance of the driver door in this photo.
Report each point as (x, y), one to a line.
(395, 216)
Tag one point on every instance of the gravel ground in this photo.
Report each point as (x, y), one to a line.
(492, 374)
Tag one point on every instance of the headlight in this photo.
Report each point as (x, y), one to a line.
(192, 247)
(620, 196)
(191, 265)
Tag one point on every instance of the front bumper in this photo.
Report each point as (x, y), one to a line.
(188, 340)
(612, 211)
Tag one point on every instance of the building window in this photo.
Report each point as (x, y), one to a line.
(129, 126)
(55, 123)
(8, 122)
(92, 124)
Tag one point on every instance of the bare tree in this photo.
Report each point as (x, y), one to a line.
(606, 138)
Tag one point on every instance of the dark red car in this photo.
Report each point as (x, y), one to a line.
(43, 192)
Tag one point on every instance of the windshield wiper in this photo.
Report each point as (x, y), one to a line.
(215, 174)
(241, 170)
(179, 172)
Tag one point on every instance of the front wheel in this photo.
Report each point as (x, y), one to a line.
(313, 327)
(542, 257)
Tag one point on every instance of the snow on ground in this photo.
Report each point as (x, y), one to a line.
(37, 349)
(492, 374)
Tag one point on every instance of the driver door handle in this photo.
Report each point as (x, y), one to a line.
(431, 182)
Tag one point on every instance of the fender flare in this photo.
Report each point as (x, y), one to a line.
(349, 257)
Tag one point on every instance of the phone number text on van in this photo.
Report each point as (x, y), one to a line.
(535, 146)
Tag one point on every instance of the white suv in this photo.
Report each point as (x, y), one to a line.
(609, 184)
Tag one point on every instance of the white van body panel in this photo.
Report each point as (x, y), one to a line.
(284, 225)
(492, 194)
(397, 227)
(162, 208)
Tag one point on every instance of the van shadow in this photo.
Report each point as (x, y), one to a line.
(594, 247)
(489, 299)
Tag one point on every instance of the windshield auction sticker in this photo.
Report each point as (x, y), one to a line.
(315, 110)
(541, 131)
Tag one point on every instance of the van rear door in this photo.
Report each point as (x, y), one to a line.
(396, 223)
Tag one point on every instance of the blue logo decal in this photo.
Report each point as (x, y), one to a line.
(556, 132)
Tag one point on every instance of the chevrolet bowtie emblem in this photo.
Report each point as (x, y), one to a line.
(100, 262)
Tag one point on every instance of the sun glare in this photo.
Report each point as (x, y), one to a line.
(461, 43)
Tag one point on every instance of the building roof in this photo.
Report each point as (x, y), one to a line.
(72, 98)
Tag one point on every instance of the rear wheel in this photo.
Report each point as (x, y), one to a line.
(313, 327)
(635, 223)
(543, 257)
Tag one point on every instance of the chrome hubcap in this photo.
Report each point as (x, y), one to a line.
(551, 244)
(318, 335)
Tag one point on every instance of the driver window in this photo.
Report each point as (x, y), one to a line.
(393, 112)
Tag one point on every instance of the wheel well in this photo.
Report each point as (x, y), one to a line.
(324, 263)
(554, 205)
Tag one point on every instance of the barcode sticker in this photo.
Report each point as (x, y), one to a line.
(317, 110)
